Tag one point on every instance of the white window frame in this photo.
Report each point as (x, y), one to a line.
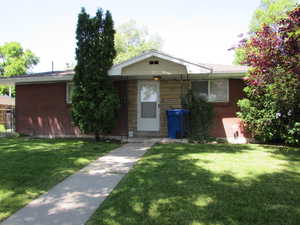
(209, 83)
(68, 99)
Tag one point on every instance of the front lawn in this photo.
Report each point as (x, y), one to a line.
(30, 167)
(181, 184)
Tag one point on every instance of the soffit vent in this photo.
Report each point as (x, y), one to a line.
(153, 62)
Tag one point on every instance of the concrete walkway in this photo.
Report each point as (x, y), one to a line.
(74, 200)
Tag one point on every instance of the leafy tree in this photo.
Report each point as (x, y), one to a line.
(95, 101)
(269, 12)
(131, 40)
(14, 60)
(239, 55)
(272, 107)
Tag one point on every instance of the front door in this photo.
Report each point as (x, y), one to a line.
(148, 106)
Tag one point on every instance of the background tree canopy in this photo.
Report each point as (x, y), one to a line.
(131, 40)
(269, 12)
(14, 60)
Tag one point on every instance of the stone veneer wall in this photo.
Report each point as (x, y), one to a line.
(132, 105)
(171, 92)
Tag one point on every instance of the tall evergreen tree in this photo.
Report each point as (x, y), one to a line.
(95, 101)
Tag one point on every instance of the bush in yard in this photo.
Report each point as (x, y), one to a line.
(271, 110)
(200, 117)
(95, 101)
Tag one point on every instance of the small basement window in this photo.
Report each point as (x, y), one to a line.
(69, 92)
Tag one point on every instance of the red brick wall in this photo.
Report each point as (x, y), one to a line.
(41, 109)
(226, 122)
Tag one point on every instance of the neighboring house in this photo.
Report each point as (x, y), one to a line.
(148, 85)
(7, 105)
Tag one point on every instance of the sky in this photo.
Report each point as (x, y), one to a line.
(201, 31)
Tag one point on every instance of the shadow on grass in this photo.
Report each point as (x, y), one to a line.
(168, 188)
(29, 167)
(289, 154)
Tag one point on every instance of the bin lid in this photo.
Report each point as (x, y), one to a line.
(177, 111)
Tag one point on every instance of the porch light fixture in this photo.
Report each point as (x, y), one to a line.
(156, 77)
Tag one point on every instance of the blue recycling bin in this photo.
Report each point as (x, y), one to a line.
(177, 123)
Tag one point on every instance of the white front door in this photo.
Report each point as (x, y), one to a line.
(148, 106)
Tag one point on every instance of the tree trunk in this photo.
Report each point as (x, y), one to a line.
(97, 136)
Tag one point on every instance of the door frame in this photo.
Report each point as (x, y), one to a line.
(139, 83)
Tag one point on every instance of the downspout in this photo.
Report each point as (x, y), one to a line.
(9, 91)
(211, 71)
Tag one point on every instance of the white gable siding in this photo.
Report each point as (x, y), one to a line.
(144, 68)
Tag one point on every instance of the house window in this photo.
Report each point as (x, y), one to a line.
(70, 88)
(200, 89)
(212, 90)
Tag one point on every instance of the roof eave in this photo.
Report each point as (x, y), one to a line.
(229, 74)
(20, 80)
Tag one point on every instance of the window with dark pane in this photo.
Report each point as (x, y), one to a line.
(200, 89)
(70, 89)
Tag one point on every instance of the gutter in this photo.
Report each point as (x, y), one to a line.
(69, 77)
(17, 80)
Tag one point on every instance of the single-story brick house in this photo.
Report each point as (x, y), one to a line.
(148, 85)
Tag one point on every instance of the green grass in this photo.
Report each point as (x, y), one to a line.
(181, 184)
(2, 128)
(30, 167)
